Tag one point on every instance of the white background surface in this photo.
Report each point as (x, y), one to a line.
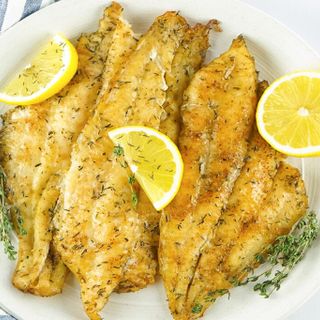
(303, 17)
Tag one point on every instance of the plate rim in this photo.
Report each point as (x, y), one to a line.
(281, 24)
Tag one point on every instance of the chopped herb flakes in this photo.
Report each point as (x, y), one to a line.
(118, 151)
(134, 199)
(197, 308)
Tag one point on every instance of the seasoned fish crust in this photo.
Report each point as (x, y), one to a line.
(284, 206)
(57, 123)
(21, 141)
(68, 113)
(101, 55)
(250, 190)
(97, 229)
(217, 119)
(187, 60)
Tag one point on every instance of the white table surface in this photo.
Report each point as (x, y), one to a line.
(303, 17)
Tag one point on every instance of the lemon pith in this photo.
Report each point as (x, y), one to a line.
(154, 159)
(50, 70)
(288, 114)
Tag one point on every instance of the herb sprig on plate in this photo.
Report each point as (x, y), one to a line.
(6, 225)
(283, 255)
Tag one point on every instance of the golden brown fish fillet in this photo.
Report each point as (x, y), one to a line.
(251, 188)
(284, 206)
(40, 169)
(217, 119)
(186, 62)
(96, 226)
(67, 116)
(22, 138)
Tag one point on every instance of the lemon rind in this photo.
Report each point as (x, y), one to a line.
(55, 84)
(308, 151)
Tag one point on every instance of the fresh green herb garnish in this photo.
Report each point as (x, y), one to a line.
(134, 195)
(5, 221)
(196, 308)
(212, 295)
(132, 179)
(20, 222)
(118, 151)
(285, 253)
(134, 199)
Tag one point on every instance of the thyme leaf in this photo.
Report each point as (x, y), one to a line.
(118, 151)
(132, 179)
(6, 226)
(283, 255)
(20, 222)
(196, 308)
(212, 295)
(134, 199)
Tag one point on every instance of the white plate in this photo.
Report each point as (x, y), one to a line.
(277, 51)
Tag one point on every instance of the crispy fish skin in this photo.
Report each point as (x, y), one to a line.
(217, 120)
(100, 54)
(96, 226)
(187, 60)
(250, 190)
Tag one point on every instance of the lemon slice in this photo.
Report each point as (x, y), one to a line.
(50, 70)
(288, 114)
(154, 160)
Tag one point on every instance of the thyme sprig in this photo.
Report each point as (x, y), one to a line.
(6, 226)
(283, 255)
(134, 194)
(118, 151)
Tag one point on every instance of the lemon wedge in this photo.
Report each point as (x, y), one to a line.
(154, 160)
(288, 114)
(49, 71)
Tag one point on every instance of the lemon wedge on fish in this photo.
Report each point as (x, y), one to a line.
(48, 72)
(288, 114)
(154, 160)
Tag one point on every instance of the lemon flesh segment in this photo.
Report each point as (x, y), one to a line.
(48, 72)
(154, 160)
(288, 114)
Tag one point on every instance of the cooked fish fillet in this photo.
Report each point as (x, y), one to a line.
(284, 206)
(217, 120)
(251, 188)
(22, 138)
(186, 62)
(101, 55)
(96, 226)
(41, 170)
